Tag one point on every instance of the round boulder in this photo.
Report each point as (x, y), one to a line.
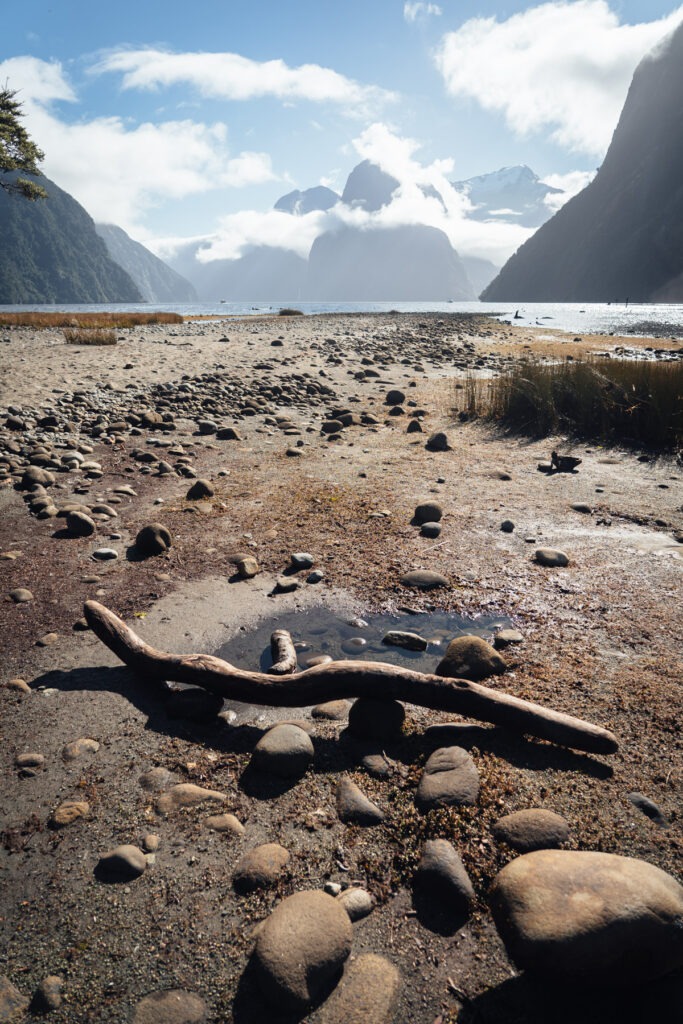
(368, 993)
(260, 867)
(470, 657)
(532, 829)
(551, 558)
(285, 751)
(438, 442)
(200, 489)
(596, 916)
(373, 719)
(153, 540)
(173, 1006)
(302, 947)
(79, 524)
(428, 512)
(122, 864)
(395, 397)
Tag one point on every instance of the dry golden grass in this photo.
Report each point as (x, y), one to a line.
(90, 320)
(89, 336)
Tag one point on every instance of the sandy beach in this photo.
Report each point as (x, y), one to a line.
(601, 639)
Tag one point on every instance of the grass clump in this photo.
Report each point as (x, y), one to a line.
(89, 336)
(616, 401)
(93, 320)
(288, 311)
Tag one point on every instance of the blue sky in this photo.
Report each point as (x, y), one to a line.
(190, 119)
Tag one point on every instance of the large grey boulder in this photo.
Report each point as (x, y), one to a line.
(598, 916)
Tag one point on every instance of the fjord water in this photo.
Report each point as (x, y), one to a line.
(660, 320)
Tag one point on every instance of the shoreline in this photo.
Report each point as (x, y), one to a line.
(601, 640)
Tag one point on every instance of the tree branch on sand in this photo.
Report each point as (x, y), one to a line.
(344, 679)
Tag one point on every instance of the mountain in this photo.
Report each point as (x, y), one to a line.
(623, 235)
(299, 203)
(263, 274)
(369, 187)
(408, 263)
(154, 279)
(513, 194)
(480, 272)
(51, 252)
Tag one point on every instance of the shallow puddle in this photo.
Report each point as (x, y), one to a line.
(319, 631)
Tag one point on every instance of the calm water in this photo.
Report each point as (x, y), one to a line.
(661, 320)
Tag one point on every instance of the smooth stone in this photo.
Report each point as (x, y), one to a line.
(470, 657)
(301, 560)
(450, 777)
(357, 902)
(431, 530)
(29, 760)
(79, 524)
(200, 489)
(79, 748)
(376, 765)
(438, 442)
(649, 808)
(227, 434)
(400, 638)
(507, 526)
(376, 719)
(317, 576)
(247, 567)
(18, 685)
(424, 579)
(68, 812)
(172, 1006)
(151, 843)
(47, 639)
(156, 779)
(186, 794)
(551, 557)
(302, 947)
(286, 584)
(225, 823)
(354, 808)
(122, 863)
(533, 829)
(428, 512)
(48, 996)
(12, 1002)
(331, 710)
(581, 506)
(105, 554)
(367, 994)
(285, 751)
(597, 916)
(414, 427)
(260, 868)
(442, 878)
(153, 540)
(395, 397)
(505, 637)
(21, 595)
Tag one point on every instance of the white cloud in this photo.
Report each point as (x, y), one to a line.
(413, 11)
(571, 184)
(229, 76)
(117, 170)
(561, 67)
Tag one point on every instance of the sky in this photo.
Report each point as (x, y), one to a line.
(188, 120)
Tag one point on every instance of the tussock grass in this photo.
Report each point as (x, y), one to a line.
(615, 401)
(89, 336)
(287, 311)
(92, 320)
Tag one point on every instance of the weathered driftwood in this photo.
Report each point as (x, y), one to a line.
(342, 679)
(283, 653)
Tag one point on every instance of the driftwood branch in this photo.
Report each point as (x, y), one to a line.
(343, 679)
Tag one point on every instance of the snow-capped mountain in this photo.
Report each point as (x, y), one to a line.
(512, 194)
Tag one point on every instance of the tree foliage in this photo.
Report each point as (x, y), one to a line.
(18, 152)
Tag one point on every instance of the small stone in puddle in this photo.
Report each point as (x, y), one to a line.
(400, 638)
(470, 657)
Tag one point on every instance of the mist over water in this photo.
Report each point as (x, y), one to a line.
(659, 320)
